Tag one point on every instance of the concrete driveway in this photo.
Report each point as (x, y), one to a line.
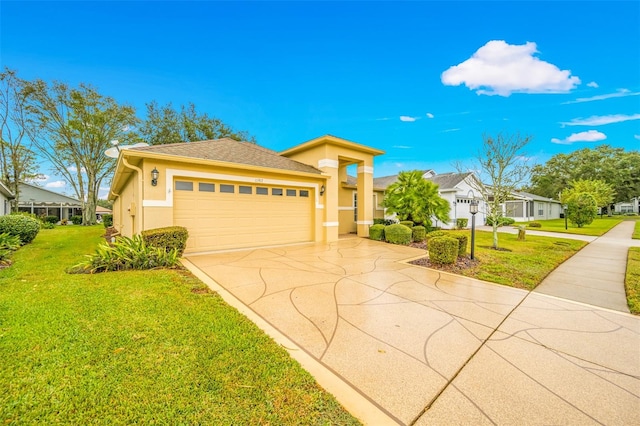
(400, 344)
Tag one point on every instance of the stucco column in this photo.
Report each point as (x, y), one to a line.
(365, 198)
(329, 201)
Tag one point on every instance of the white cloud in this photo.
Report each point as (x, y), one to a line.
(402, 147)
(600, 120)
(637, 136)
(383, 119)
(588, 136)
(593, 84)
(499, 68)
(450, 130)
(621, 93)
(74, 169)
(407, 118)
(429, 115)
(56, 184)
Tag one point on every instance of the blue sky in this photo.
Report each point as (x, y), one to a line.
(421, 80)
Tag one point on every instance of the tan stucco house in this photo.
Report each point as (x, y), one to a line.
(231, 194)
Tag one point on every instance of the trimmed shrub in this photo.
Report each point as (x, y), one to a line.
(50, 219)
(397, 234)
(126, 253)
(535, 225)
(8, 244)
(407, 223)
(385, 222)
(107, 220)
(443, 250)
(462, 223)
(24, 227)
(462, 244)
(434, 234)
(76, 220)
(48, 225)
(376, 232)
(502, 221)
(168, 238)
(419, 233)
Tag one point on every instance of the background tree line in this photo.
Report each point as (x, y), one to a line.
(71, 127)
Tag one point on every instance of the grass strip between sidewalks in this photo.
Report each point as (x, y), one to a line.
(632, 280)
(137, 347)
(600, 226)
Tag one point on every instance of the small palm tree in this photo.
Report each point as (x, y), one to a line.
(414, 198)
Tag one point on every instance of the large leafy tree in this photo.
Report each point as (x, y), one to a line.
(17, 159)
(414, 198)
(502, 169)
(165, 124)
(72, 127)
(614, 166)
(602, 192)
(582, 207)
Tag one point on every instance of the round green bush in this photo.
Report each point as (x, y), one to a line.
(397, 234)
(107, 220)
(419, 233)
(443, 250)
(433, 234)
(21, 226)
(50, 219)
(376, 232)
(76, 220)
(407, 223)
(535, 225)
(462, 244)
(167, 238)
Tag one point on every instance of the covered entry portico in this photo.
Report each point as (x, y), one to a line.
(332, 156)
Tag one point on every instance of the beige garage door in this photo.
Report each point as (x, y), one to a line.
(225, 215)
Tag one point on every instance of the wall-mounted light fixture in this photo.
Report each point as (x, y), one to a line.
(322, 188)
(154, 176)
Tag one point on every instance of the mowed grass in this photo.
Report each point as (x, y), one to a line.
(636, 231)
(632, 279)
(137, 347)
(596, 228)
(521, 264)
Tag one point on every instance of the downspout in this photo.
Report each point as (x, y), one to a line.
(120, 207)
(140, 188)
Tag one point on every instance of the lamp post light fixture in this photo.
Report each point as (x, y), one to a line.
(564, 207)
(473, 209)
(322, 189)
(154, 177)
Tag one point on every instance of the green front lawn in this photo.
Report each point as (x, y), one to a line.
(632, 280)
(521, 264)
(636, 231)
(597, 228)
(137, 347)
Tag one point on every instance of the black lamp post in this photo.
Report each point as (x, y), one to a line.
(473, 209)
(564, 206)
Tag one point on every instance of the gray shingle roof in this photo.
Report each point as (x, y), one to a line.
(534, 196)
(444, 181)
(230, 151)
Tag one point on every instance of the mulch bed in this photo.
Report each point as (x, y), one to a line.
(462, 264)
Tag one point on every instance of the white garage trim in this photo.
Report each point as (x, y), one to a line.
(171, 173)
(330, 223)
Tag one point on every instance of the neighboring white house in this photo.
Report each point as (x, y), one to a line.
(42, 202)
(524, 207)
(5, 199)
(456, 188)
(632, 206)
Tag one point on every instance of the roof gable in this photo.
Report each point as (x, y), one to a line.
(444, 181)
(229, 151)
(30, 192)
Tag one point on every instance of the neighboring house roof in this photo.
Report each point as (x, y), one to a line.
(533, 197)
(31, 193)
(444, 181)
(230, 151)
(102, 210)
(4, 190)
